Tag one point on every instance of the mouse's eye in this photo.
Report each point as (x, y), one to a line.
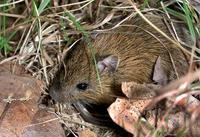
(82, 86)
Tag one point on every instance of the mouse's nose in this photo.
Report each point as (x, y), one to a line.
(55, 94)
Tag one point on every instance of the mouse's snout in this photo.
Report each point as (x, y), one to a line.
(55, 94)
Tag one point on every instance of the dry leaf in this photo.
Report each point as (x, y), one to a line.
(187, 101)
(11, 68)
(134, 90)
(175, 87)
(43, 124)
(126, 113)
(18, 100)
(87, 133)
(107, 19)
(18, 106)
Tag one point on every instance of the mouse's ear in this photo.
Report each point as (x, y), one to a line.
(159, 74)
(108, 64)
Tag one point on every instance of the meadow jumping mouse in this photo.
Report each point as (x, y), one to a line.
(127, 53)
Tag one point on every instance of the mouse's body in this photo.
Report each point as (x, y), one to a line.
(127, 53)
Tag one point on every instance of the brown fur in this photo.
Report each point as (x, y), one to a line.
(136, 44)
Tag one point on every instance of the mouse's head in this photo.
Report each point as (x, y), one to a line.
(77, 78)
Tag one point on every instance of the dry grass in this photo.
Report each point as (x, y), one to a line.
(38, 34)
